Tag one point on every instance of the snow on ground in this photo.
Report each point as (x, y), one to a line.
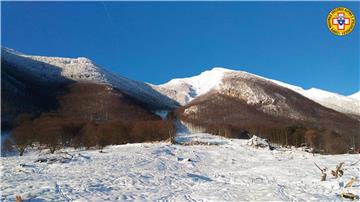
(227, 171)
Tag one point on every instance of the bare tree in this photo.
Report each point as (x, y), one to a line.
(323, 172)
(23, 136)
(338, 172)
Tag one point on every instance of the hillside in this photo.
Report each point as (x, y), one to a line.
(185, 90)
(88, 115)
(63, 102)
(99, 102)
(22, 92)
(355, 96)
(59, 70)
(220, 101)
(345, 104)
(245, 103)
(33, 84)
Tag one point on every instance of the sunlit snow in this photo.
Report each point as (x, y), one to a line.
(225, 170)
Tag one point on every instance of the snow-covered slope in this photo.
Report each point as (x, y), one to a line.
(345, 104)
(186, 89)
(355, 96)
(222, 170)
(183, 90)
(57, 69)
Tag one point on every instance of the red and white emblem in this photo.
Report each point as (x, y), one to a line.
(341, 21)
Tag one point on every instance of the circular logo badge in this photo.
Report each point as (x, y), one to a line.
(341, 21)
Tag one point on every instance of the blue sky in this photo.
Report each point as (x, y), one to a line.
(158, 41)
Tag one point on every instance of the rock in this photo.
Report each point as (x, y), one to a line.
(256, 141)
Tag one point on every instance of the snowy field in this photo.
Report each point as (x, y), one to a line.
(224, 170)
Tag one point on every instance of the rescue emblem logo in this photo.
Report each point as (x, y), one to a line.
(341, 21)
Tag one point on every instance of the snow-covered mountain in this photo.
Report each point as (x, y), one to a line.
(168, 95)
(346, 104)
(355, 96)
(239, 103)
(59, 69)
(186, 89)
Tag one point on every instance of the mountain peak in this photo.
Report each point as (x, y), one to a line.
(185, 90)
(55, 68)
(7, 52)
(219, 69)
(60, 69)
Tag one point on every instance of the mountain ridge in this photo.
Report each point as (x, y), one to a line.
(247, 104)
(163, 96)
(190, 87)
(223, 101)
(59, 69)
